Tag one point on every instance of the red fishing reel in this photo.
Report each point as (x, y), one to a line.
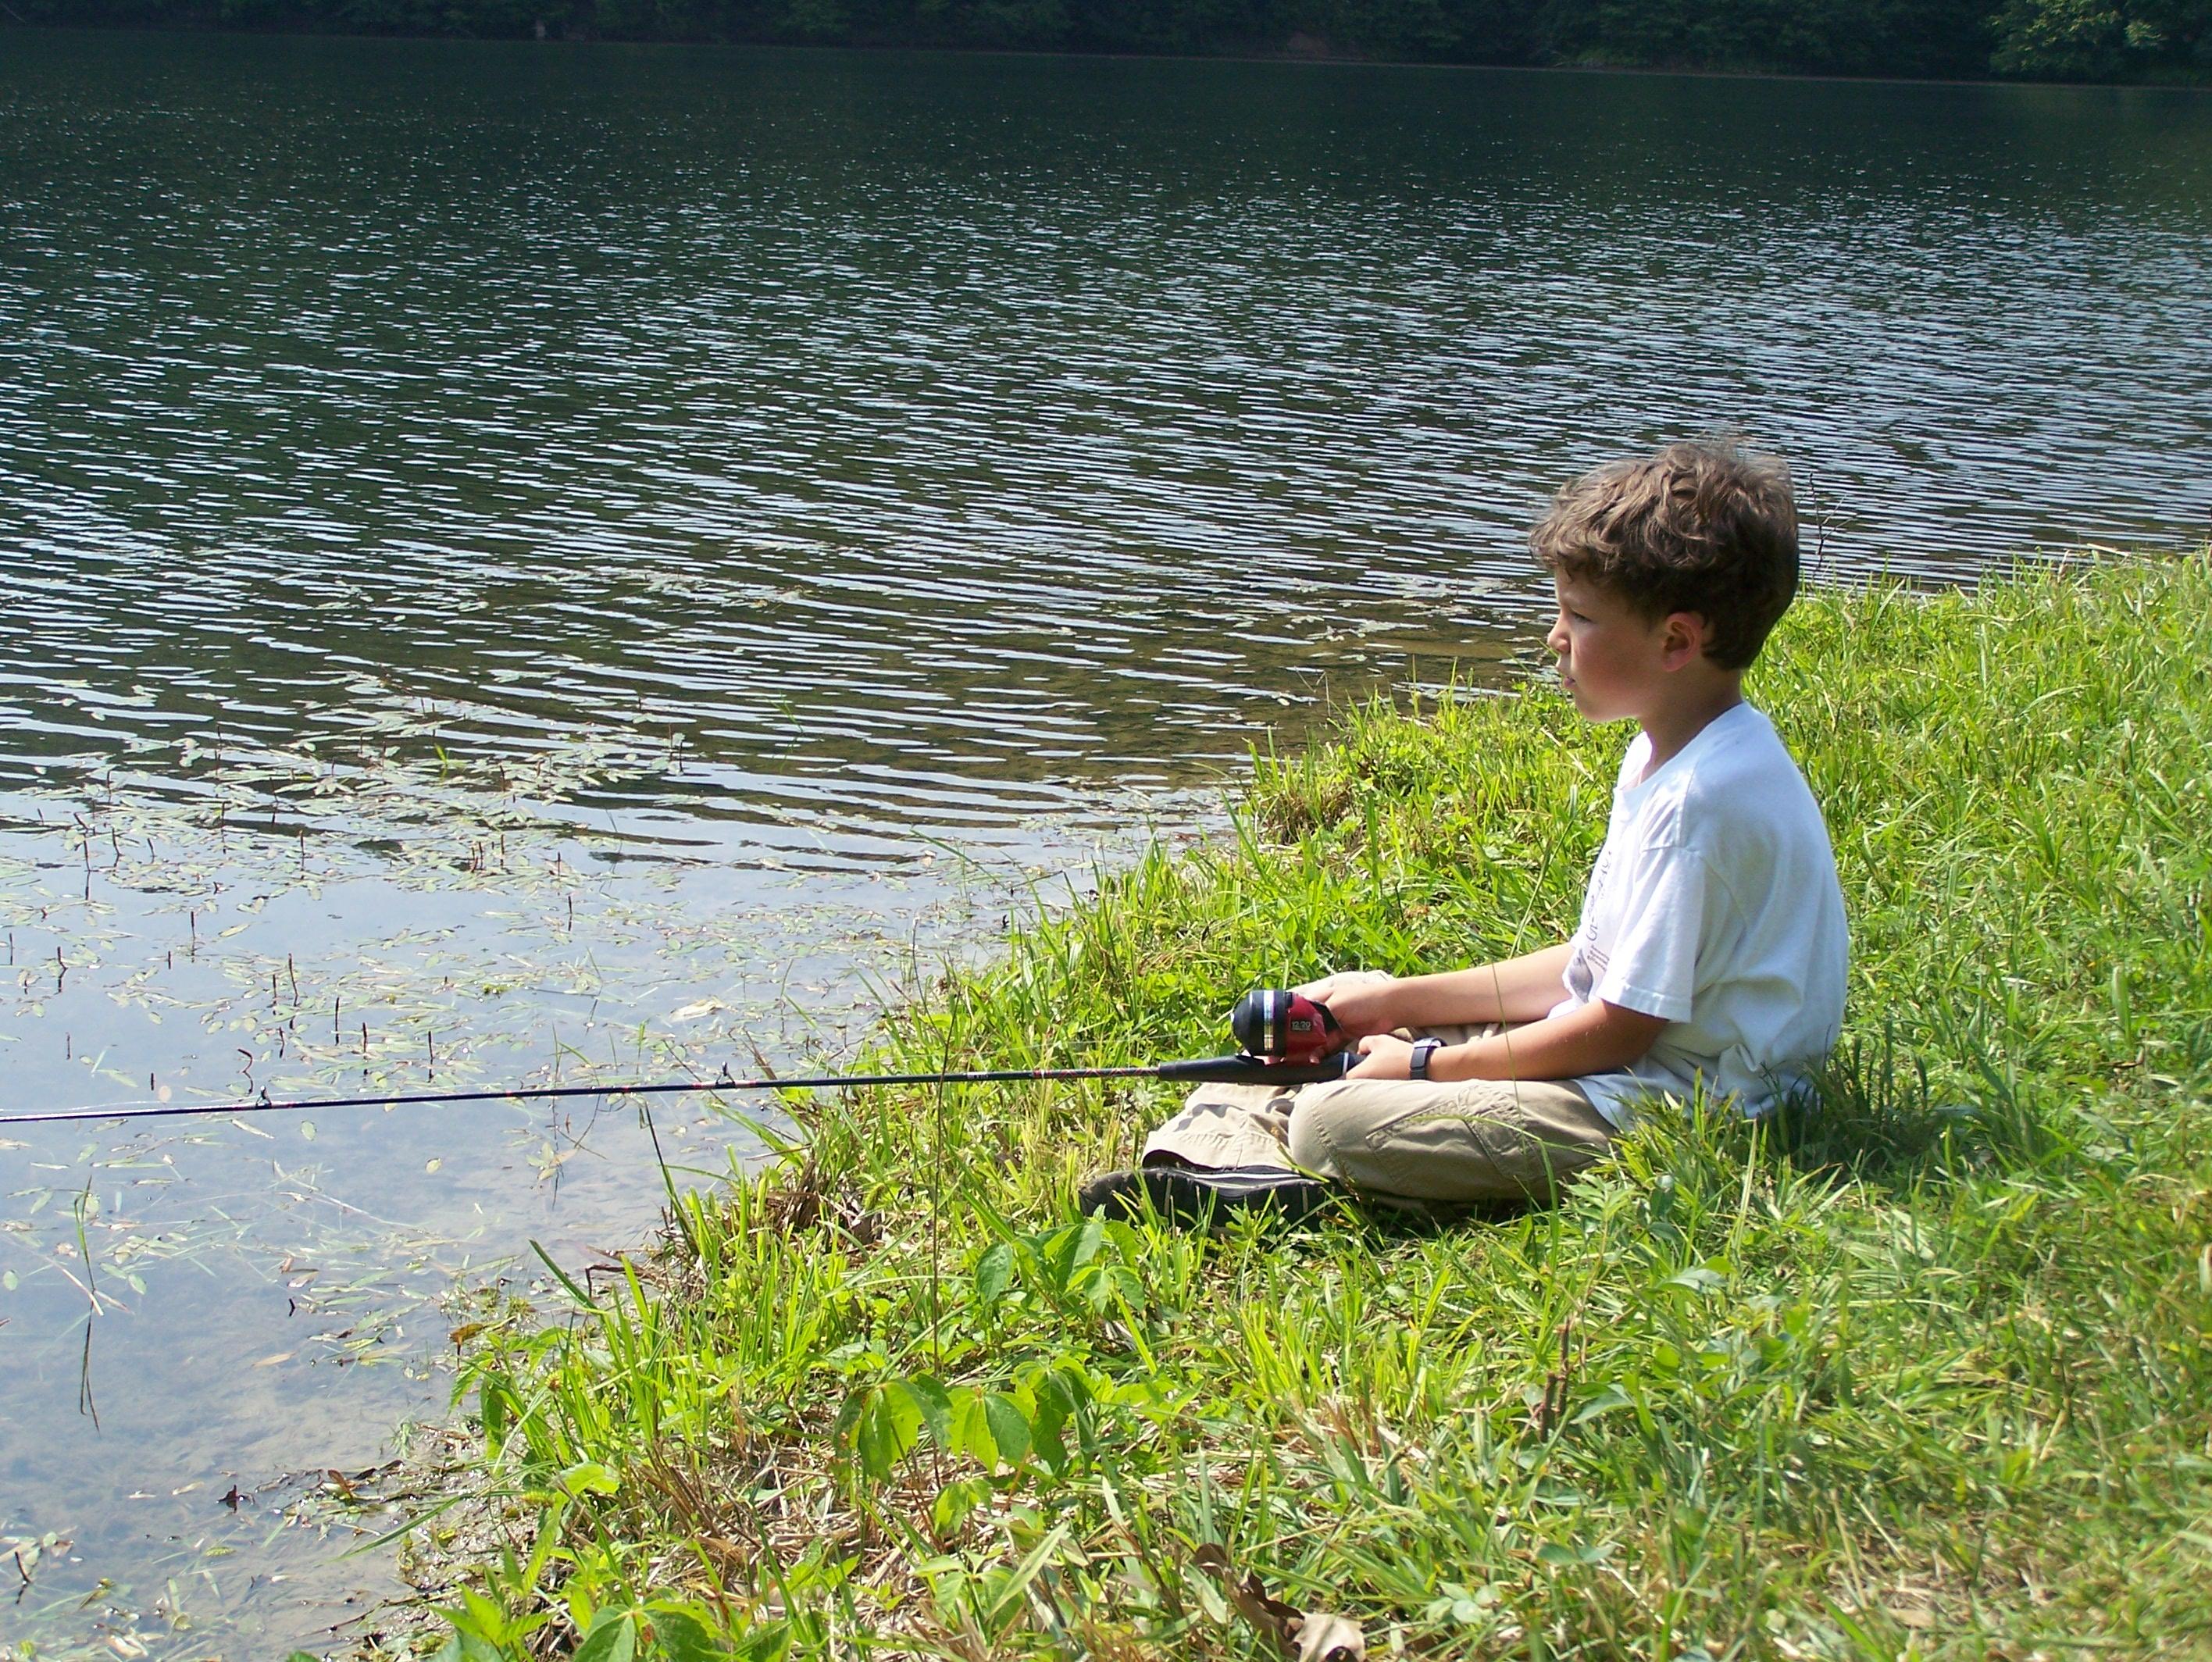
(1281, 1027)
(1285, 1040)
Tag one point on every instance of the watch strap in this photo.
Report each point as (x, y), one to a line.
(1417, 1066)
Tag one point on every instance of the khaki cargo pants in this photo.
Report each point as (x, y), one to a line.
(1465, 1141)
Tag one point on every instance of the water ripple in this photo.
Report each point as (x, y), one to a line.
(915, 445)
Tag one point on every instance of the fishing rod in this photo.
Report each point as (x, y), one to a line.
(1287, 1041)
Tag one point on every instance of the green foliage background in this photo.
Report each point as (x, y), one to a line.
(2062, 40)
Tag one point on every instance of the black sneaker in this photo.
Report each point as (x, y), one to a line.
(1203, 1194)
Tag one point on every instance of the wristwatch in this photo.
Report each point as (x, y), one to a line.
(1416, 1064)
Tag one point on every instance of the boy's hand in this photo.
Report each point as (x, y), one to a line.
(1359, 1000)
(1383, 1056)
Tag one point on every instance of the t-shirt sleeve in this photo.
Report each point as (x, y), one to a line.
(1653, 966)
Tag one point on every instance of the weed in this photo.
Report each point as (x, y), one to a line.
(1922, 1366)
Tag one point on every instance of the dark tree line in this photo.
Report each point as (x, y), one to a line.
(2063, 40)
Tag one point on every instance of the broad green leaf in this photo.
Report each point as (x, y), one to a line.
(848, 1416)
(612, 1639)
(588, 1477)
(886, 1430)
(995, 1273)
(1055, 1406)
(929, 1401)
(1010, 1431)
(493, 1397)
(1065, 1250)
(1092, 1238)
(971, 1428)
(956, 1503)
(478, 1617)
(1559, 1556)
(1604, 1402)
(467, 1647)
(680, 1636)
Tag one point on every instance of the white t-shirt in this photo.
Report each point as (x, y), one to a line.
(1714, 904)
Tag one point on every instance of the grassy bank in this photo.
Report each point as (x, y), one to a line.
(1926, 1371)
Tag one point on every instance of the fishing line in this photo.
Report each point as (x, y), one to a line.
(540, 1093)
(1288, 1039)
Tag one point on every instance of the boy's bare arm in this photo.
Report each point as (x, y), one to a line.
(1516, 990)
(1597, 1038)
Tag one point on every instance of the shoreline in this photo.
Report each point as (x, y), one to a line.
(1931, 1365)
(1285, 56)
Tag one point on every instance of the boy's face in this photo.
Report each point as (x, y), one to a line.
(1613, 662)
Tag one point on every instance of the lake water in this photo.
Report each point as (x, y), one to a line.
(529, 562)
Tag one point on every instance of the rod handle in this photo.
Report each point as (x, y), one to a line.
(1243, 1070)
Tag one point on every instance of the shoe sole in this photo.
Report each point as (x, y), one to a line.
(1203, 1195)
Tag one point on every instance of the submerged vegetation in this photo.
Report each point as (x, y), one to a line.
(191, 1309)
(1927, 1370)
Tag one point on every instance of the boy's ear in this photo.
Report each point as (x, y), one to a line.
(1683, 639)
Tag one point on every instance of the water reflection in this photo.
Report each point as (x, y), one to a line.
(918, 441)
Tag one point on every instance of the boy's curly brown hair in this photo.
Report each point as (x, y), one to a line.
(1705, 527)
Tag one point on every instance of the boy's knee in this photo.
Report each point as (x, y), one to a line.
(1315, 1128)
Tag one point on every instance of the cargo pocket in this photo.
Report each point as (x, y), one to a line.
(1433, 1153)
(1528, 1165)
(1458, 1151)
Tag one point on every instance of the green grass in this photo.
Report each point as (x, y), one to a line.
(1925, 1371)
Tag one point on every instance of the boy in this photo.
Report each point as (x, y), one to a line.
(1711, 947)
